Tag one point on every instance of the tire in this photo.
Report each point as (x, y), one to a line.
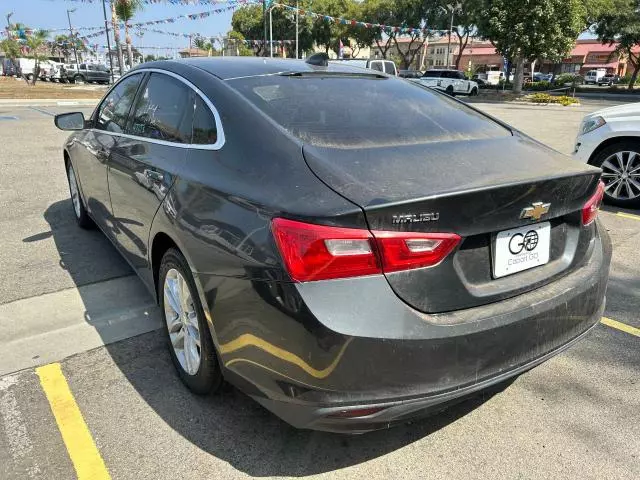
(473, 92)
(176, 274)
(79, 210)
(616, 160)
(29, 76)
(79, 78)
(449, 91)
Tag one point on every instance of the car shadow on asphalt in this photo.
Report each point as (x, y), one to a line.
(228, 425)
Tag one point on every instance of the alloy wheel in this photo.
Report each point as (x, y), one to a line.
(621, 175)
(182, 321)
(73, 188)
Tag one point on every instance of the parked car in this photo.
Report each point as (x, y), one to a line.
(409, 73)
(610, 139)
(609, 79)
(594, 76)
(452, 82)
(385, 66)
(86, 73)
(351, 250)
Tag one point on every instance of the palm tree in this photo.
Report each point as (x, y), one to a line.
(116, 36)
(126, 9)
(35, 43)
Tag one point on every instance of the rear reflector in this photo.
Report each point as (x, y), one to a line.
(590, 209)
(319, 252)
(359, 412)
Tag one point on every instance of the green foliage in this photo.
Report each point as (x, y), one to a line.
(538, 86)
(237, 40)
(532, 29)
(567, 78)
(621, 23)
(248, 22)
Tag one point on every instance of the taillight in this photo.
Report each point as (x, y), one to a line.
(590, 209)
(405, 250)
(319, 252)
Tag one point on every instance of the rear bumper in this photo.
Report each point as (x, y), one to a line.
(319, 348)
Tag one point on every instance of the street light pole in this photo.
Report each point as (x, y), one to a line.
(106, 29)
(271, 32)
(75, 50)
(264, 21)
(297, 15)
(449, 42)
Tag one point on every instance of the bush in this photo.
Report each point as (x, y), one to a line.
(537, 86)
(546, 98)
(567, 78)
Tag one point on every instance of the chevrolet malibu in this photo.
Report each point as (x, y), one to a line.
(350, 249)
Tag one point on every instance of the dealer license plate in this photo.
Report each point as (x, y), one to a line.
(521, 248)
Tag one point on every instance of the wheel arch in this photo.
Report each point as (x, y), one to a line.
(612, 141)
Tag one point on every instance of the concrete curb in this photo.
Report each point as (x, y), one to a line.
(56, 102)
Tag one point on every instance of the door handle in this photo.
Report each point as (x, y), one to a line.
(153, 176)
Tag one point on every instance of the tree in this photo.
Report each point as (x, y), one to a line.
(12, 48)
(63, 46)
(236, 39)
(622, 24)
(115, 23)
(525, 30)
(150, 58)
(125, 10)
(203, 44)
(36, 44)
(248, 22)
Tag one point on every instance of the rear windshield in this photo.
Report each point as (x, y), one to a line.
(343, 111)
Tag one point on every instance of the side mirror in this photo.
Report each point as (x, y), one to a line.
(69, 121)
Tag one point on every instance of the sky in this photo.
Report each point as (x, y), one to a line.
(52, 14)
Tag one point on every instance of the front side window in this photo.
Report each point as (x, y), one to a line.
(204, 125)
(164, 110)
(114, 110)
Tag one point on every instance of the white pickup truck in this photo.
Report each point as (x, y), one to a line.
(452, 82)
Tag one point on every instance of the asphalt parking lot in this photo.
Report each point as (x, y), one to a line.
(108, 404)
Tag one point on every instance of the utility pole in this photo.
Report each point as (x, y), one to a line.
(264, 21)
(75, 50)
(449, 42)
(106, 28)
(9, 22)
(297, 15)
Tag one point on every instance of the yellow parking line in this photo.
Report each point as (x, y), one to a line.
(628, 215)
(82, 450)
(621, 326)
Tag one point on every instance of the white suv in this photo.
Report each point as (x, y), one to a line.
(452, 82)
(610, 139)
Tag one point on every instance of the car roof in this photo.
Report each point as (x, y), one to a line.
(227, 68)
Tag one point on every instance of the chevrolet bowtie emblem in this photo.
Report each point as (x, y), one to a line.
(535, 211)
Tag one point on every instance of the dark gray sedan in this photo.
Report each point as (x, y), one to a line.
(350, 249)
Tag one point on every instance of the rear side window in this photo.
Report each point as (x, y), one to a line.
(204, 125)
(377, 66)
(164, 110)
(389, 68)
(363, 110)
(432, 74)
(113, 112)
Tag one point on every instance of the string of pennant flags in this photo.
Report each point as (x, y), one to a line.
(155, 2)
(388, 29)
(231, 5)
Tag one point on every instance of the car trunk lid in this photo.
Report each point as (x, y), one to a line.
(474, 188)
